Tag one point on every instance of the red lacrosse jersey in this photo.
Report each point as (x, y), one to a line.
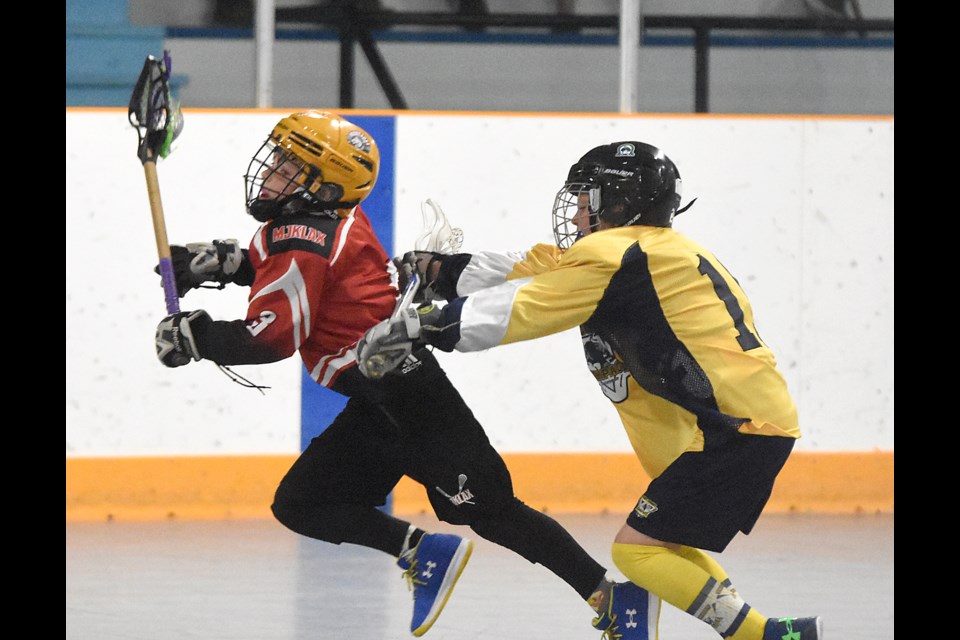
(321, 281)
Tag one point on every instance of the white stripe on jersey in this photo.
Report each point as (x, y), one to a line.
(329, 365)
(258, 243)
(487, 269)
(486, 314)
(343, 238)
(294, 287)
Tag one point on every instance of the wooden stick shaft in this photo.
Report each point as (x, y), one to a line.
(156, 209)
(160, 232)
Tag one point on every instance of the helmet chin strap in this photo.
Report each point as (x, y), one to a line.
(640, 215)
(263, 210)
(689, 204)
(303, 201)
(296, 202)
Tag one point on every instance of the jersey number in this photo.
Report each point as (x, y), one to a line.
(745, 338)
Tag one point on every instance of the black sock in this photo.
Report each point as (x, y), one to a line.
(415, 537)
(542, 540)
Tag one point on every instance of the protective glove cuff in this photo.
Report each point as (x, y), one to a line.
(176, 337)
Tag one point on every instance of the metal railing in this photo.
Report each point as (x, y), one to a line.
(355, 23)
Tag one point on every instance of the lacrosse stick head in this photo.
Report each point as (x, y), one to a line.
(153, 112)
(437, 234)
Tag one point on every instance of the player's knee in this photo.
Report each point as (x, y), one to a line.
(455, 515)
(284, 512)
(318, 521)
(638, 562)
(291, 513)
(490, 504)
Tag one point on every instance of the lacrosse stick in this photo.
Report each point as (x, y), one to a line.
(436, 235)
(158, 121)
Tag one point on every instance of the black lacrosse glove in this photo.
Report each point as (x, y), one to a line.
(427, 263)
(176, 342)
(220, 261)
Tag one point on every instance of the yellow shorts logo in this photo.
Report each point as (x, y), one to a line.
(645, 507)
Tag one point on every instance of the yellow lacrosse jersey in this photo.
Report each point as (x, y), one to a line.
(667, 332)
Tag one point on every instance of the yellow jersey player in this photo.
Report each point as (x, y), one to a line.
(669, 335)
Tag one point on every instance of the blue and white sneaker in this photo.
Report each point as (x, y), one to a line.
(432, 569)
(793, 629)
(629, 613)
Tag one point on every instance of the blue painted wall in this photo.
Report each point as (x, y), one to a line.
(319, 405)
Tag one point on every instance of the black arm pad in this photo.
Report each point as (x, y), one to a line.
(245, 274)
(442, 330)
(451, 266)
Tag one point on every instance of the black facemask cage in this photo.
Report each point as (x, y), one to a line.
(264, 164)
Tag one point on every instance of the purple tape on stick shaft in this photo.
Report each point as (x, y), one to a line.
(169, 285)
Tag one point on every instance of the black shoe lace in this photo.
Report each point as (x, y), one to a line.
(240, 380)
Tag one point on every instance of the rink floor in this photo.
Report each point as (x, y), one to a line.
(256, 580)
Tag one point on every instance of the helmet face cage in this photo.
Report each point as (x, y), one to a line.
(264, 204)
(565, 208)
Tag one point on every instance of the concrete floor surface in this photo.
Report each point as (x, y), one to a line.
(256, 580)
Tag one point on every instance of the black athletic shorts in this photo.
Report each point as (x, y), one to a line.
(704, 498)
(413, 424)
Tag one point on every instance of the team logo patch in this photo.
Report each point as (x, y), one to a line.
(645, 506)
(626, 150)
(359, 141)
(605, 366)
(298, 232)
(462, 496)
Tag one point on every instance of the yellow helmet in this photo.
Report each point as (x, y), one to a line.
(337, 164)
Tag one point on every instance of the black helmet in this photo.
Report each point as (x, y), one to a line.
(628, 183)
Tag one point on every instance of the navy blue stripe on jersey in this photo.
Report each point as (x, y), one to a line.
(449, 334)
(630, 318)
